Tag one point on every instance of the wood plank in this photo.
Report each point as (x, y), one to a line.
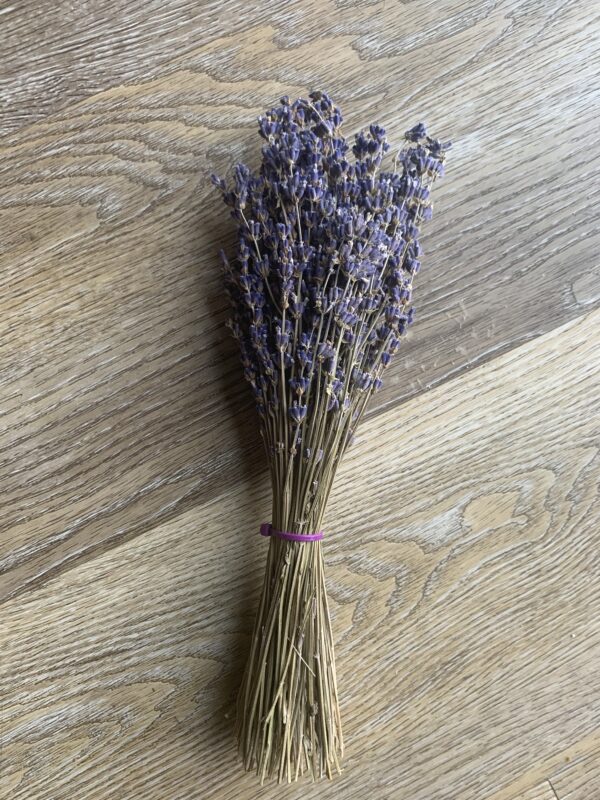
(462, 563)
(541, 774)
(53, 60)
(543, 791)
(579, 778)
(121, 394)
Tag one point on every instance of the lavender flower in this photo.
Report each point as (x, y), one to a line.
(297, 412)
(328, 246)
(321, 291)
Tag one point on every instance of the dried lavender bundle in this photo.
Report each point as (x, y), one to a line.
(321, 287)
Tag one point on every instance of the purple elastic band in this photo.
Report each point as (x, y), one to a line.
(266, 529)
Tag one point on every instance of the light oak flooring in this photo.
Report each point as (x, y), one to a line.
(463, 536)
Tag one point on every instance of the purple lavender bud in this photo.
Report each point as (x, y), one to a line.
(363, 380)
(368, 303)
(245, 282)
(297, 412)
(304, 359)
(296, 306)
(416, 133)
(347, 318)
(282, 340)
(325, 350)
(377, 132)
(412, 265)
(299, 385)
(392, 314)
(254, 228)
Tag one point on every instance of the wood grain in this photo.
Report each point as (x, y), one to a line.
(462, 558)
(579, 777)
(114, 356)
(542, 792)
(471, 562)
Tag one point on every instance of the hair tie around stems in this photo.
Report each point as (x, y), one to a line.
(266, 529)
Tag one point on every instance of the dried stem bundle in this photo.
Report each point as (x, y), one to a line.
(321, 289)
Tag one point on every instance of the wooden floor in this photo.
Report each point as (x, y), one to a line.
(463, 537)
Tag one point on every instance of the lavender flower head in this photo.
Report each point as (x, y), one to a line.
(321, 282)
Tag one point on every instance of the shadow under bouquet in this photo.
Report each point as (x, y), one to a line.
(321, 291)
